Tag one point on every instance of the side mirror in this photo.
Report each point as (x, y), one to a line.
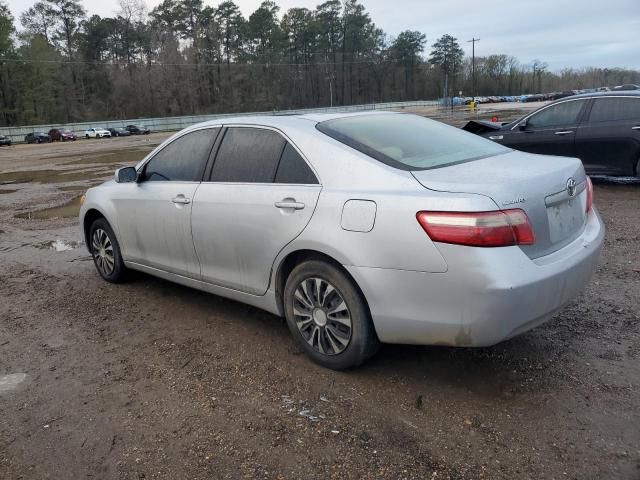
(126, 175)
(522, 125)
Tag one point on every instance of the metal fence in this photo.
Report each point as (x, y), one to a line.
(168, 124)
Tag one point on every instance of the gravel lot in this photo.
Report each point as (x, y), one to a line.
(153, 380)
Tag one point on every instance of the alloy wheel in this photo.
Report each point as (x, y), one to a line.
(102, 250)
(322, 316)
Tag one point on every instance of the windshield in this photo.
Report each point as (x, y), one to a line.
(409, 142)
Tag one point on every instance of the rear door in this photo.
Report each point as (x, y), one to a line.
(155, 214)
(550, 131)
(260, 195)
(608, 143)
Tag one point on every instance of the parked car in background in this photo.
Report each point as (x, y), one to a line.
(602, 129)
(61, 135)
(138, 130)
(119, 132)
(433, 236)
(628, 86)
(96, 133)
(559, 95)
(37, 137)
(5, 141)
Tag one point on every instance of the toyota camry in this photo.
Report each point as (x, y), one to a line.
(359, 229)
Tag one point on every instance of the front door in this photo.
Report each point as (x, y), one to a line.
(551, 131)
(155, 213)
(260, 196)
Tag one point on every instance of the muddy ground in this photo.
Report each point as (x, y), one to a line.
(153, 380)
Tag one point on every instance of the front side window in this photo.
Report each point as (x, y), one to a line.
(409, 142)
(183, 160)
(248, 155)
(562, 114)
(615, 109)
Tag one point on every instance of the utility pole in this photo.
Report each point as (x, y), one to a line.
(473, 64)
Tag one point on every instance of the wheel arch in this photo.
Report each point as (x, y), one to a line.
(292, 259)
(91, 215)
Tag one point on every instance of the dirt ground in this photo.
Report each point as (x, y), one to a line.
(153, 380)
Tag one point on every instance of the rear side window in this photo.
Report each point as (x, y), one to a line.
(615, 109)
(562, 114)
(293, 168)
(183, 160)
(248, 155)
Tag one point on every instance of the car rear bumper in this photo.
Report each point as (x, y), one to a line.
(487, 294)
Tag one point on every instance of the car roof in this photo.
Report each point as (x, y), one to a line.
(614, 93)
(284, 120)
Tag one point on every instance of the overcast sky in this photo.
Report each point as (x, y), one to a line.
(563, 33)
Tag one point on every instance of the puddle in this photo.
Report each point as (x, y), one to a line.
(10, 382)
(100, 160)
(51, 176)
(121, 156)
(76, 188)
(7, 191)
(59, 245)
(67, 210)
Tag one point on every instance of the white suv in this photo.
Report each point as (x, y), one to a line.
(96, 133)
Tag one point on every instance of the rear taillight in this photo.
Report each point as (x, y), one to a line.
(589, 195)
(501, 228)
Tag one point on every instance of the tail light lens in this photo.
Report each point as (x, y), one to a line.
(589, 194)
(501, 228)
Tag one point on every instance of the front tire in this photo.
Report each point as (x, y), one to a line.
(105, 250)
(328, 316)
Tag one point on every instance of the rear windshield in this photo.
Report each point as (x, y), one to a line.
(409, 142)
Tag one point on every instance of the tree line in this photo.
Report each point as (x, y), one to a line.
(184, 57)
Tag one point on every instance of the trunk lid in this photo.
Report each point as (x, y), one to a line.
(537, 184)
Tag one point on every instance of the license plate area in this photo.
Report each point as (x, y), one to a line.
(565, 218)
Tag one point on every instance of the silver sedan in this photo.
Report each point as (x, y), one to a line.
(357, 228)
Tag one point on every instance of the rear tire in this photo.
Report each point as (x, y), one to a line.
(105, 250)
(328, 316)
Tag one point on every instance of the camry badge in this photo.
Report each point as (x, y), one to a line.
(571, 187)
(514, 201)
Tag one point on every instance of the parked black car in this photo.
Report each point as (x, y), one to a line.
(602, 129)
(37, 137)
(119, 132)
(138, 130)
(5, 141)
(627, 86)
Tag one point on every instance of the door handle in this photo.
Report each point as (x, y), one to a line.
(290, 204)
(181, 200)
(564, 132)
(637, 127)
